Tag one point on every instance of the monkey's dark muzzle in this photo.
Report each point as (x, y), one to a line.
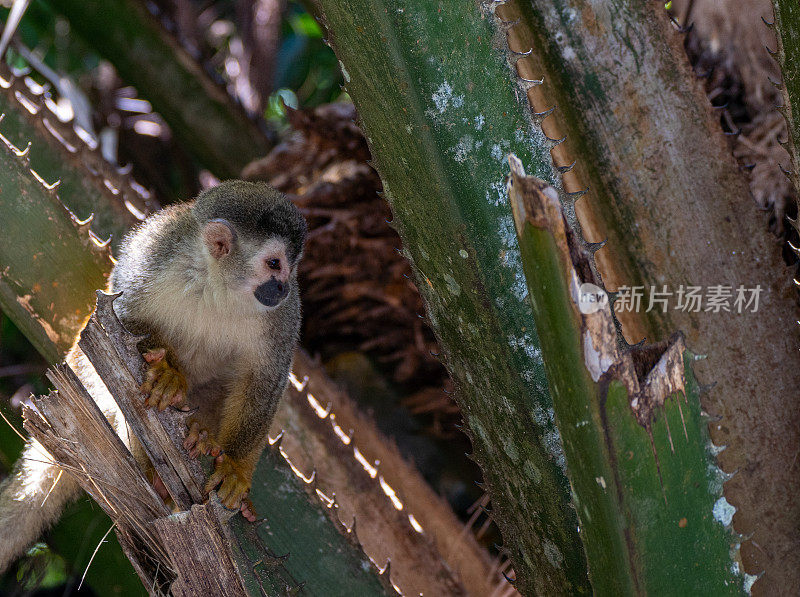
(271, 293)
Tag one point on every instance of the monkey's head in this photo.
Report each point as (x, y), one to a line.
(253, 236)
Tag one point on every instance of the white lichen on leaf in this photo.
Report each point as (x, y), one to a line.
(723, 511)
(442, 97)
(552, 553)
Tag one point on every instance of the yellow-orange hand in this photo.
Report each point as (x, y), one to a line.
(163, 384)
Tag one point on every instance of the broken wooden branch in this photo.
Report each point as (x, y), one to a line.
(112, 350)
(77, 435)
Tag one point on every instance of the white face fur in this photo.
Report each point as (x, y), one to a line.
(270, 271)
(218, 325)
(267, 273)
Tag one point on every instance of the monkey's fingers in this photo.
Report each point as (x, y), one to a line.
(160, 386)
(163, 385)
(200, 447)
(179, 396)
(150, 378)
(192, 436)
(176, 391)
(201, 441)
(155, 355)
(215, 479)
(233, 491)
(248, 510)
(153, 378)
(208, 445)
(234, 483)
(227, 491)
(172, 387)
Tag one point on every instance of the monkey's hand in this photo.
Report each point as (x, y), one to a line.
(200, 440)
(163, 384)
(233, 478)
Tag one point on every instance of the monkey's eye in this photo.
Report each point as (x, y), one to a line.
(274, 264)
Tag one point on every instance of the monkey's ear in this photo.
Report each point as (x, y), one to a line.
(219, 237)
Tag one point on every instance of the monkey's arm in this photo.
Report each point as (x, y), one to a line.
(165, 384)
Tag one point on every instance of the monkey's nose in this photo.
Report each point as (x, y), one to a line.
(271, 293)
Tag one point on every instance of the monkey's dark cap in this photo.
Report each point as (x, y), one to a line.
(256, 209)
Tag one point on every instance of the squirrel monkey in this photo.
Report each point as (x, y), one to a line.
(213, 284)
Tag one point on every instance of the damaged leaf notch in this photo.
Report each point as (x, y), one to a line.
(645, 497)
(650, 372)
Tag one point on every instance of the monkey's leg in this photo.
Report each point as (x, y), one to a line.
(243, 423)
(164, 384)
(246, 414)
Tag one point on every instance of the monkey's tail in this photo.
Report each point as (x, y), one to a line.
(31, 499)
(35, 493)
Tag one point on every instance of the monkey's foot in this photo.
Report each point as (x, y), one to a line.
(201, 441)
(163, 384)
(233, 478)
